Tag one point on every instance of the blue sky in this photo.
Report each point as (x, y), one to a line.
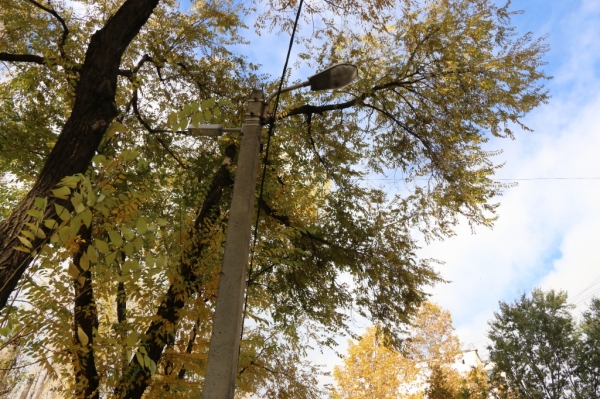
(547, 234)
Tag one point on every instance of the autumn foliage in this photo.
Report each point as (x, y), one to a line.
(112, 217)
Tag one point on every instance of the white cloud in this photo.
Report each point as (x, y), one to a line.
(547, 233)
(547, 228)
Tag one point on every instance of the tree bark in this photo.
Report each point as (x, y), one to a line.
(136, 378)
(93, 111)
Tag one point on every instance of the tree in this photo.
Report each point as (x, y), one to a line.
(373, 369)
(587, 356)
(439, 386)
(448, 383)
(10, 375)
(117, 240)
(533, 341)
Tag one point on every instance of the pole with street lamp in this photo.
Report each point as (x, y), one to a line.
(221, 369)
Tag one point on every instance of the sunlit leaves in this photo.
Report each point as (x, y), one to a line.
(61, 192)
(196, 113)
(372, 368)
(83, 338)
(436, 80)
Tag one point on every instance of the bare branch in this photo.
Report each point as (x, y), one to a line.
(37, 59)
(52, 11)
(136, 111)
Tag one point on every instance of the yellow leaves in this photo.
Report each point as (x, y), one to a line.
(84, 262)
(102, 246)
(62, 192)
(22, 249)
(35, 213)
(132, 339)
(82, 336)
(73, 271)
(161, 222)
(50, 223)
(110, 258)
(128, 249)
(25, 242)
(114, 128)
(62, 212)
(128, 234)
(91, 254)
(86, 217)
(115, 238)
(373, 370)
(144, 361)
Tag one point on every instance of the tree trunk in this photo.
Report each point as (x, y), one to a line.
(85, 321)
(136, 377)
(93, 111)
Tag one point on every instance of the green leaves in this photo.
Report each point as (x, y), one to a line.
(435, 83)
(62, 212)
(61, 192)
(536, 332)
(115, 238)
(141, 226)
(102, 246)
(196, 113)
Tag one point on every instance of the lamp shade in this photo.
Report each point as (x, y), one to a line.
(334, 77)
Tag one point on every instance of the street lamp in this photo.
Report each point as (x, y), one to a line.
(221, 369)
(334, 77)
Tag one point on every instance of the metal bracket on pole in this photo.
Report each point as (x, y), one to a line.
(211, 130)
(221, 369)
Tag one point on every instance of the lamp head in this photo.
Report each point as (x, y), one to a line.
(334, 77)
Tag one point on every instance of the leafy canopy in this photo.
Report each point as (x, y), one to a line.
(539, 351)
(117, 261)
(423, 369)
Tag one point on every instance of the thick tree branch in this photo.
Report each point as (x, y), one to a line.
(93, 110)
(35, 59)
(129, 73)
(319, 109)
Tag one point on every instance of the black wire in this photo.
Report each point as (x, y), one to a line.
(272, 126)
(266, 158)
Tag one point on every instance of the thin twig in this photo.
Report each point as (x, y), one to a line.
(52, 11)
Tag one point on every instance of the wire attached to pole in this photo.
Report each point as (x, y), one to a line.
(266, 158)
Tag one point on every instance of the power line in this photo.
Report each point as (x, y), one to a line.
(593, 283)
(516, 179)
(266, 159)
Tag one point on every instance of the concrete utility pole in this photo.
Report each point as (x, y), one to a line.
(221, 369)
